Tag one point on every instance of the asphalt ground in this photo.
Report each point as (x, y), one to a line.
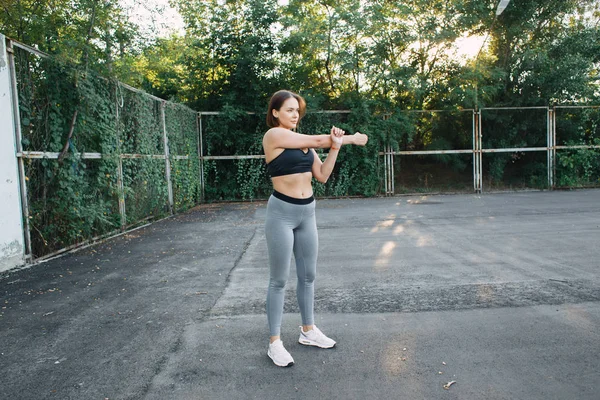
(499, 293)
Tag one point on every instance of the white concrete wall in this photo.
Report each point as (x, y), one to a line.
(12, 245)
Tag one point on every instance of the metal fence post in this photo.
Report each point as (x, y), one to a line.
(166, 150)
(120, 186)
(480, 152)
(553, 152)
(386, 166)
(388, 161)
(199, 154)
(477, 151)
(392, 174)
(19, 148)
(201, 159)
(549, 146)
(474, 129)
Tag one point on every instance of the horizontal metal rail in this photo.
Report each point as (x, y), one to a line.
(92, 156)
(516, 108)
(309, 112)
(126, 86)
(593, 107)
(435, 111)
(425, 152)
(95, 156)
(583, 146)
(28, 48)
(243, 157)
(515, 149)
(52, 155)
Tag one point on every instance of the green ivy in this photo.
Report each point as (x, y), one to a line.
(72, 200)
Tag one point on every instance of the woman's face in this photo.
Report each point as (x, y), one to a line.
(289, 114)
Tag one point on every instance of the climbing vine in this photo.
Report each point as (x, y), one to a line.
(68, 111)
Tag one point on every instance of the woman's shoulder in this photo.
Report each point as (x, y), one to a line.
(275, 132)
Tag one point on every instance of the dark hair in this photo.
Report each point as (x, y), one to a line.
(277, 101)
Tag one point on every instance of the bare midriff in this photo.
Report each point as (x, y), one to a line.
(298, 186)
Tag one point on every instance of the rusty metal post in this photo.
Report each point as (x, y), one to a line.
(392, 172)
(553, 152)
(166, 151)
(199, 153)
(120, 186)
(202, 196)
(386, 161)
(549, 146)
(477, 151)
(474, 151)
(480, 153)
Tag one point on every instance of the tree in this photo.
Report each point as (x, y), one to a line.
(86, 32)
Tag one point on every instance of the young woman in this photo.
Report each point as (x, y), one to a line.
(290, 223)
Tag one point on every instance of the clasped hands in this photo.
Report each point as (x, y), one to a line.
(337, 134)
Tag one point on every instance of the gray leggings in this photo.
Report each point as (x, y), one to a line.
(290, 227)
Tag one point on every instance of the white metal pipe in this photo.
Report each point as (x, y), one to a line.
(234, 157)
(480, 158)
(427, 152)
(393, 172)
(516, 108)
(385, 169)
(514, 149)
(19, 145)
(553, 133)
(575, 147)
(549, 150)
(577, 107)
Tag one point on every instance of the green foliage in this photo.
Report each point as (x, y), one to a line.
(89, 33)
(233, 132)
(182, 130)
(66, 110)
(578, 127)
(70, 199)
(547, 52)
(382, 60)
(578, 168)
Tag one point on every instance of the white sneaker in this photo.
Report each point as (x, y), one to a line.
(279, 354)
(315, 337)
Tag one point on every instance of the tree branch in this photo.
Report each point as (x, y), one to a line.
(89, 37)
(66, 146)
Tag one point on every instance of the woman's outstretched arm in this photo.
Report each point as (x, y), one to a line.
(322, 170)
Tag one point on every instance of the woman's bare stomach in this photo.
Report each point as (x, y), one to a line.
(298, 186)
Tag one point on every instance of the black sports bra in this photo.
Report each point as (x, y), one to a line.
(291, 161)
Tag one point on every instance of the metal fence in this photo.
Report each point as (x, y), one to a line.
(549, 126)
(166, 140)
(178, 137)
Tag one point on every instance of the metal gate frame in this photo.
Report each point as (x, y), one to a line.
(478, 150)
